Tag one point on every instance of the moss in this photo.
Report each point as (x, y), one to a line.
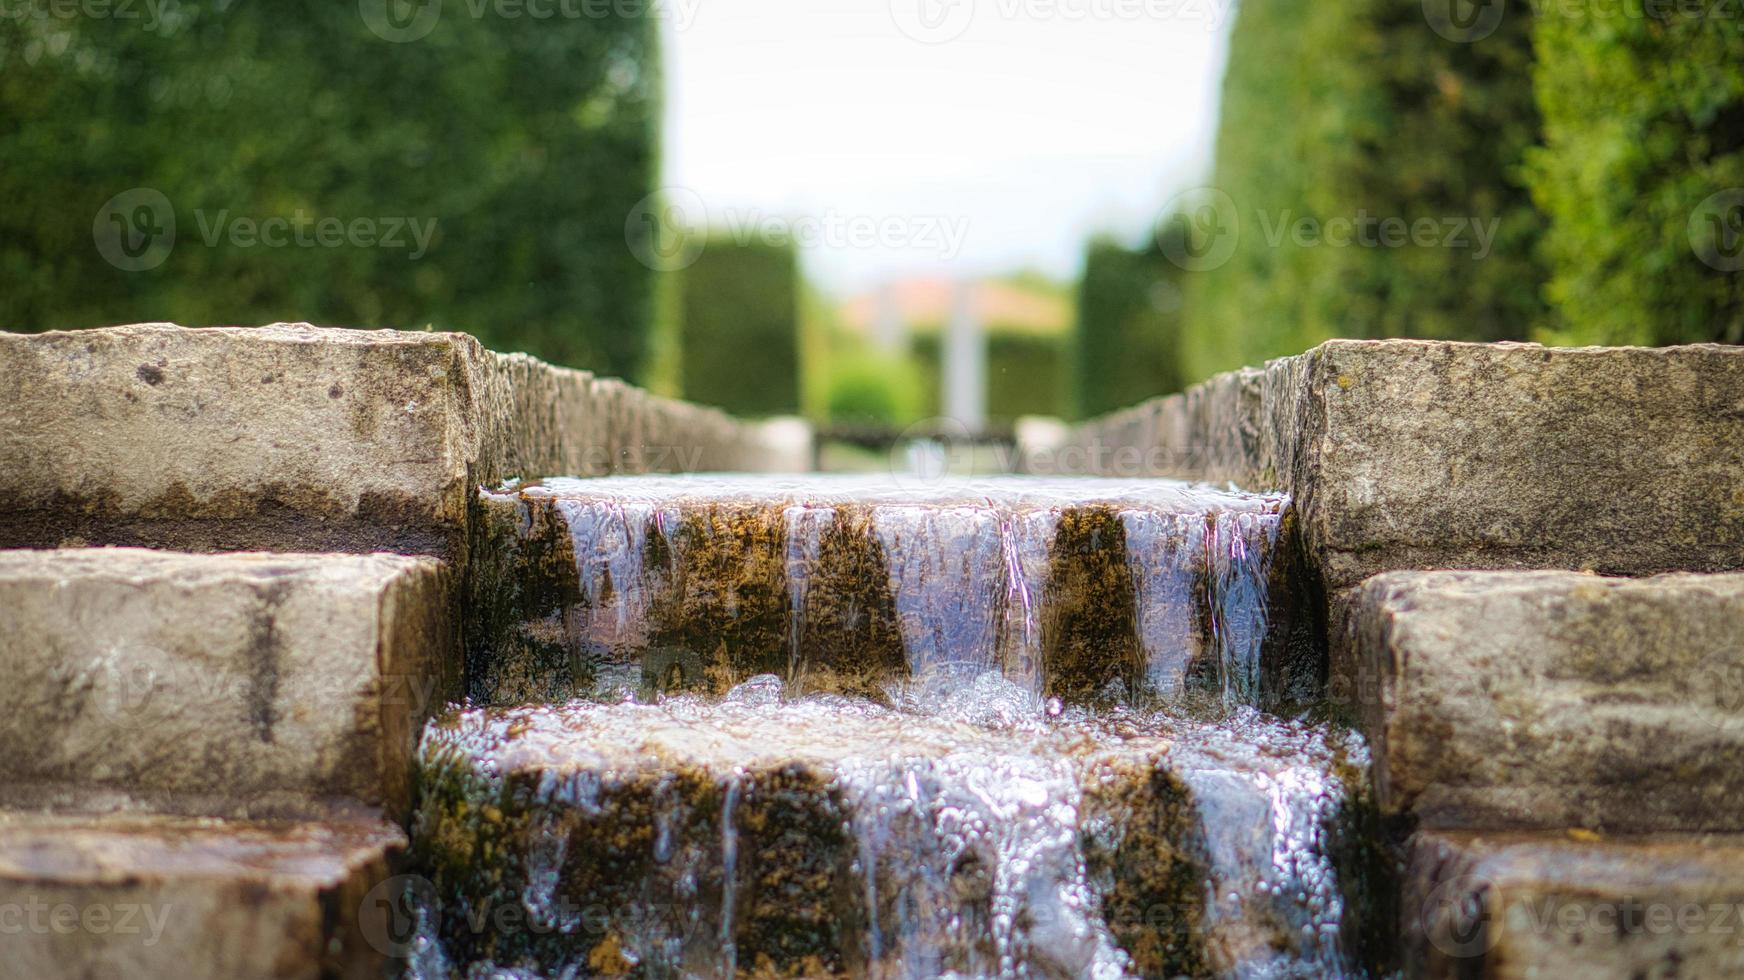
(1294, 663)
(1090, 643)
(521, 593)
(797, 904)
(727, 600)
(645, 867)
(850, 637)
(1143, 851)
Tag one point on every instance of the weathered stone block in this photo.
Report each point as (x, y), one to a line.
(1550, 699)
(294, 437)
(1428, 454)
(1507, 906)
(138, 896)
(218, 683)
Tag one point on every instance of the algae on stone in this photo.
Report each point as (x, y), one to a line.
(848, 634)
(1143, 847)
(1090, 644)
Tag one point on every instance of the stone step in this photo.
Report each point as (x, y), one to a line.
(197, 899)
(829, 837)
(1428, 454)
(1513, 906)
(1550, 699)
(295, 438)
(224, 684)
(1086, 590)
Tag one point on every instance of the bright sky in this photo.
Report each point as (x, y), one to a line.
(955, 137)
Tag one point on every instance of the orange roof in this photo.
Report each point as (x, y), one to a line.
(926, 303)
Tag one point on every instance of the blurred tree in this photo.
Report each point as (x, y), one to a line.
(1366, 112)
(739, 327)
(475, 177)
(1129, 322)
(1642, 172)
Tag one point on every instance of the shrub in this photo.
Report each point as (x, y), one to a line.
(739, 327)
(1642, 172)
(520, 146)
(870, 389)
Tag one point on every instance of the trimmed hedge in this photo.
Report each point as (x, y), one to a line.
(739, 327)
(527, 143)
(1358, 111)
(868, 389)
(1026, 373)
(1642, 172)
(1126, 347)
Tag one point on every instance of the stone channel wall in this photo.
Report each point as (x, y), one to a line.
(298, 438)
(1427, 454)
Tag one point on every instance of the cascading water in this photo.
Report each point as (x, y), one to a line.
(1010, 728)
(1117, 591)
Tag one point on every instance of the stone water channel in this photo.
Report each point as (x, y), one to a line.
(839, 726)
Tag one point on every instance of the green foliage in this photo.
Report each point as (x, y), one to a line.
(1126, 348)
(871, 389)
(527, 143)
(739, 327)
(1359, 111)
(1644, 138)
(1026, 373)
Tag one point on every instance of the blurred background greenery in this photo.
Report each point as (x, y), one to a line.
(1605, 154)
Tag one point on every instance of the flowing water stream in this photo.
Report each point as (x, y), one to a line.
(836, 727)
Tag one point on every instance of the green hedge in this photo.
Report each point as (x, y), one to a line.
(1026, 374)
(865, 388)
(1126, 343)
(526, 142)
(1359, 111)
(1642, 167)
(739, 327)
